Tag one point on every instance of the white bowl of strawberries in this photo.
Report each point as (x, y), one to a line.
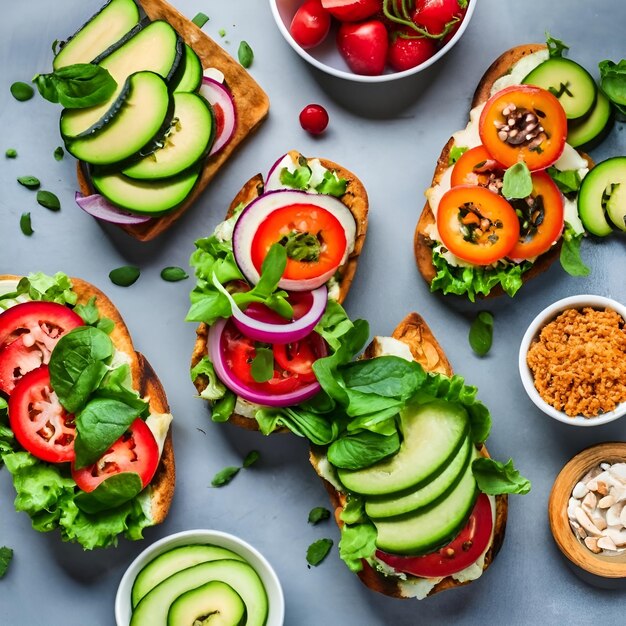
(372, 41)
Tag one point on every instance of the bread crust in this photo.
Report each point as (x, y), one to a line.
(355, 199)
(146, 382)
(421, 241)
(251, 101)
(415, 333)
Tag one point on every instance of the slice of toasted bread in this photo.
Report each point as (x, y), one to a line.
(355, 199)
(251, 102)
(146, 382)
(421, 242)
(415, 333)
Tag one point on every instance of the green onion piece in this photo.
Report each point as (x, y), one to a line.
(200, 19)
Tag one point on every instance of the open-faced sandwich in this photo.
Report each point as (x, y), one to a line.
(84, 421)
(421, 506)
(504, 197)
(270, 282)
(153, 108)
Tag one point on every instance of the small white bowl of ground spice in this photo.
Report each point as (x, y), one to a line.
(572, 360)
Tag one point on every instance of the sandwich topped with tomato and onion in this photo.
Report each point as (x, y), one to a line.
(84, 421)
(270, 283)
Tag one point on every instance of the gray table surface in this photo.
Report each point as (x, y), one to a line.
(390, 135)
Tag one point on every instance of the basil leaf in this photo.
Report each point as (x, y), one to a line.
(318, 551)
(332, 185)
(77, 365)
(251, 458)
(58, 153)
(517, 181)
(200, 19)
(6, 554)
(357, 542)
(11, 153)
(48, 200)
(481, 333)
(173, 274)
(567, 181)
(25, 224)
(355, 452)
(555, 46)
(298, 179)
(456, 152)
(387, 376)
(318, 514)
(223, 408)
(110, 493)
(22, 91)
(570, 258)
(245, 54)
(262, 366)
(29, 182)
(494, 478)
(223, 477)
(124, 276)
(77, 86)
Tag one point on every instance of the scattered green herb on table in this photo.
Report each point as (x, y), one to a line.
(318, 514)
(481, 333)
(25, 224)
(124, 276)
(200, 19)
(251, 458)
(22, 91)
(223, 477)
(58, 153)
(48, 200)
(30, 182)
(6, 554)
(245, 54)
(11, 153)
(222, 32)
(318, 550)
(173, 274)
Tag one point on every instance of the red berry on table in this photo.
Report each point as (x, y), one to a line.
(314, 119)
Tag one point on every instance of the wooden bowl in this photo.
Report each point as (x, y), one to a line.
(601, 570)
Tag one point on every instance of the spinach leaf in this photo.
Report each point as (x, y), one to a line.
(214, 389)
(357, 542)
(318, 551)
(251, 458)
(332, 185)
(223, 477)
(570, 258)
(568, 181)
(173, 274)
(110, 493)
(481, 333)
(556, 47)
(361, 450)
(262, 366)
(613, 83)
(382, 421)
(25, 224)
(318, 514)
(124, 276)
(6, 554)
(117, 385)
(48, 200)
(318, 429)
(334, 324)
(517, 181)
(77, 86)
(387, 376)
(78, 365)
(245, 54)
(494, 478)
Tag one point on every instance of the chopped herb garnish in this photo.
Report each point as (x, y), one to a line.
(25, 224)
(318, 514)
(245, 54)
(318, 550)
(124, 276)
(222, 32)
(6, 554)
(48, 200)
(251, 458)
(481, 333)
(173, 274)
(200, 19)
(223, 477)
(11, 153)
(29, 181)
(58, 153)
(556, 47)
(22, 91)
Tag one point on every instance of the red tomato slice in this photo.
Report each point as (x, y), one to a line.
(524, 123)
(135, 451)
(477, 167)
(15, 361)
(298, 357)
(302, 218)
(40, 424)
(310, 24)
(460, 553)
(477, 225)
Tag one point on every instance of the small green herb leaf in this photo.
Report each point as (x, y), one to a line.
(298, 179)
(494, 478)
(251, 458)
(59, 153)
(22, 91)
(11, 153)
(29, 182)
(262, 366)
(456, 152)
(517, 182)
(200, 19)
(223, 477)
(6, 554)
(48, 200)
(555, 46)
(124, 276)
(318, 514)
(245, 54)
(221, 32)
(25, 224)
(332, 185)
(481, 333)
(570, 258)
(318, 551)
(173, 274)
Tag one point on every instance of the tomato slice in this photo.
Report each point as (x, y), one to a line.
(135, 451)
(40, 424)
(16, 360)
(477, 225)
(524, 123)
(323, 229)
(542, 218)
(477, 167)
(460, 553)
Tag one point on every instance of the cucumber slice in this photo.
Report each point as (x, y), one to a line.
(191, 77)
(153, 609)
(189, 139)
(590, 131)
(145, 197)
(571, 83)
(391, 506)
(616, 205)
(173, 561)
(144, 113)
(606, 179)
(217, 601)
(156, 48)
(433, 434)
(108, 25)
(427, 530)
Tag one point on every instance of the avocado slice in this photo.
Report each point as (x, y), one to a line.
(616, 205)
(191, 77)
(216, 602)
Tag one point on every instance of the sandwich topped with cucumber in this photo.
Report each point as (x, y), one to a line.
(270, 282)
(506, 197)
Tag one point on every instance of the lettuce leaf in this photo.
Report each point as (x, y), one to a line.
(495, 478)
(215, 389)
(357, 542)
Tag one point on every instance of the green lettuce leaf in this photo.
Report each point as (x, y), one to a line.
(334, 324)
(224, 407)
(318, 429)
(357, 542)
(353, 511)
(40, 286)
(494, 478)
(214, 389)
(332, 185)
(570, 258)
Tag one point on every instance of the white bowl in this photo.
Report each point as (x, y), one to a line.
(326, 57)
(276, 600)
(546, 316)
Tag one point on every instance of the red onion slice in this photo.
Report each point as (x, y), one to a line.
(99, 207)
(225, 113)
(272, 180)
(235, 385)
